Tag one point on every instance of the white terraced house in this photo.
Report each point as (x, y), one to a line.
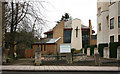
(108, 21)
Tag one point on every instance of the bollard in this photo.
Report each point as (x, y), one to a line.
(95, 50)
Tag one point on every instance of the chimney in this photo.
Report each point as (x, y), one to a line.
(90, 26)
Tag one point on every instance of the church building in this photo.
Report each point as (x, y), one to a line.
(70, 32)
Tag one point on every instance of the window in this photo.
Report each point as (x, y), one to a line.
(118, 21)
(85, 37)
(99, 26)
(99, 10)
(112, 23)
(50, 35)
(111, 38)
(93, 37)
(107, 18)
(112, 1)
(41, 47)
(44, 47)
(118, 38)
(67, 36)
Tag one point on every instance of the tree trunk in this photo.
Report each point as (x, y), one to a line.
(11, 32)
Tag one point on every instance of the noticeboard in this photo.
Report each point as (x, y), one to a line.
(65, 48)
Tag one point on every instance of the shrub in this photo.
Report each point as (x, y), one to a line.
(92, 49)
(19, 56)
(81, 50)
(76, 51)
(9, 59)
(113, 49)
(101, 47)
(72, 50)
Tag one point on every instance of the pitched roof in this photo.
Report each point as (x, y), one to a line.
(68, 25)
(47, 41)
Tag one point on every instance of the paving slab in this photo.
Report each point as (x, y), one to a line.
(60, 68)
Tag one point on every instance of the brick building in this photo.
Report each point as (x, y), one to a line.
(66, 32)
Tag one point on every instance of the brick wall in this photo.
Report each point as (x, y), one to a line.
(93, 42)
(58, 31)
(50, 49)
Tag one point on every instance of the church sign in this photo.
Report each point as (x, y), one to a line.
(65, 48)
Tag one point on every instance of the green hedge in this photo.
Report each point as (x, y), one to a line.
(113, 49)
(92, 49)
(101, 47)
(85, 48)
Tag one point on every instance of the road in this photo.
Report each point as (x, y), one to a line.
(60, 72)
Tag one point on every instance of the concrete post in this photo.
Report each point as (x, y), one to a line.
(95, 50)
(83, 51)
(88, 51)
(69, 58)
(97, 59)
(118, 53)
(106, 52)
(38, 57)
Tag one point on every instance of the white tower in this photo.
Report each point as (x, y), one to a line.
(76, 38)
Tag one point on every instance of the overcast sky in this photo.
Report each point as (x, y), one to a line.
(82, 9)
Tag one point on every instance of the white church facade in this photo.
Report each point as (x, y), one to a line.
(71, 32)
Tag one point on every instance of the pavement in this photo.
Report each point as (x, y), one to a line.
(59, 68)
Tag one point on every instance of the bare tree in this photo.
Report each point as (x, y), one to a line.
(26, 16)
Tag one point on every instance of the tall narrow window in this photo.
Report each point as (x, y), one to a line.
(41, 47)
(111, 38)
(44, 47)
(99, 10)
(118, 38)
(112, 23)
(107, 18)
(99, 26)
(118, 21)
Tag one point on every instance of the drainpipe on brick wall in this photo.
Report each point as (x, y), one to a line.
(56, 48)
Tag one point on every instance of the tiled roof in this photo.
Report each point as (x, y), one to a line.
(68, 25)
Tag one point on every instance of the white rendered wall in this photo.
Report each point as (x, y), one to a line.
(102, 36)
(76, 42)
(113, 12)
